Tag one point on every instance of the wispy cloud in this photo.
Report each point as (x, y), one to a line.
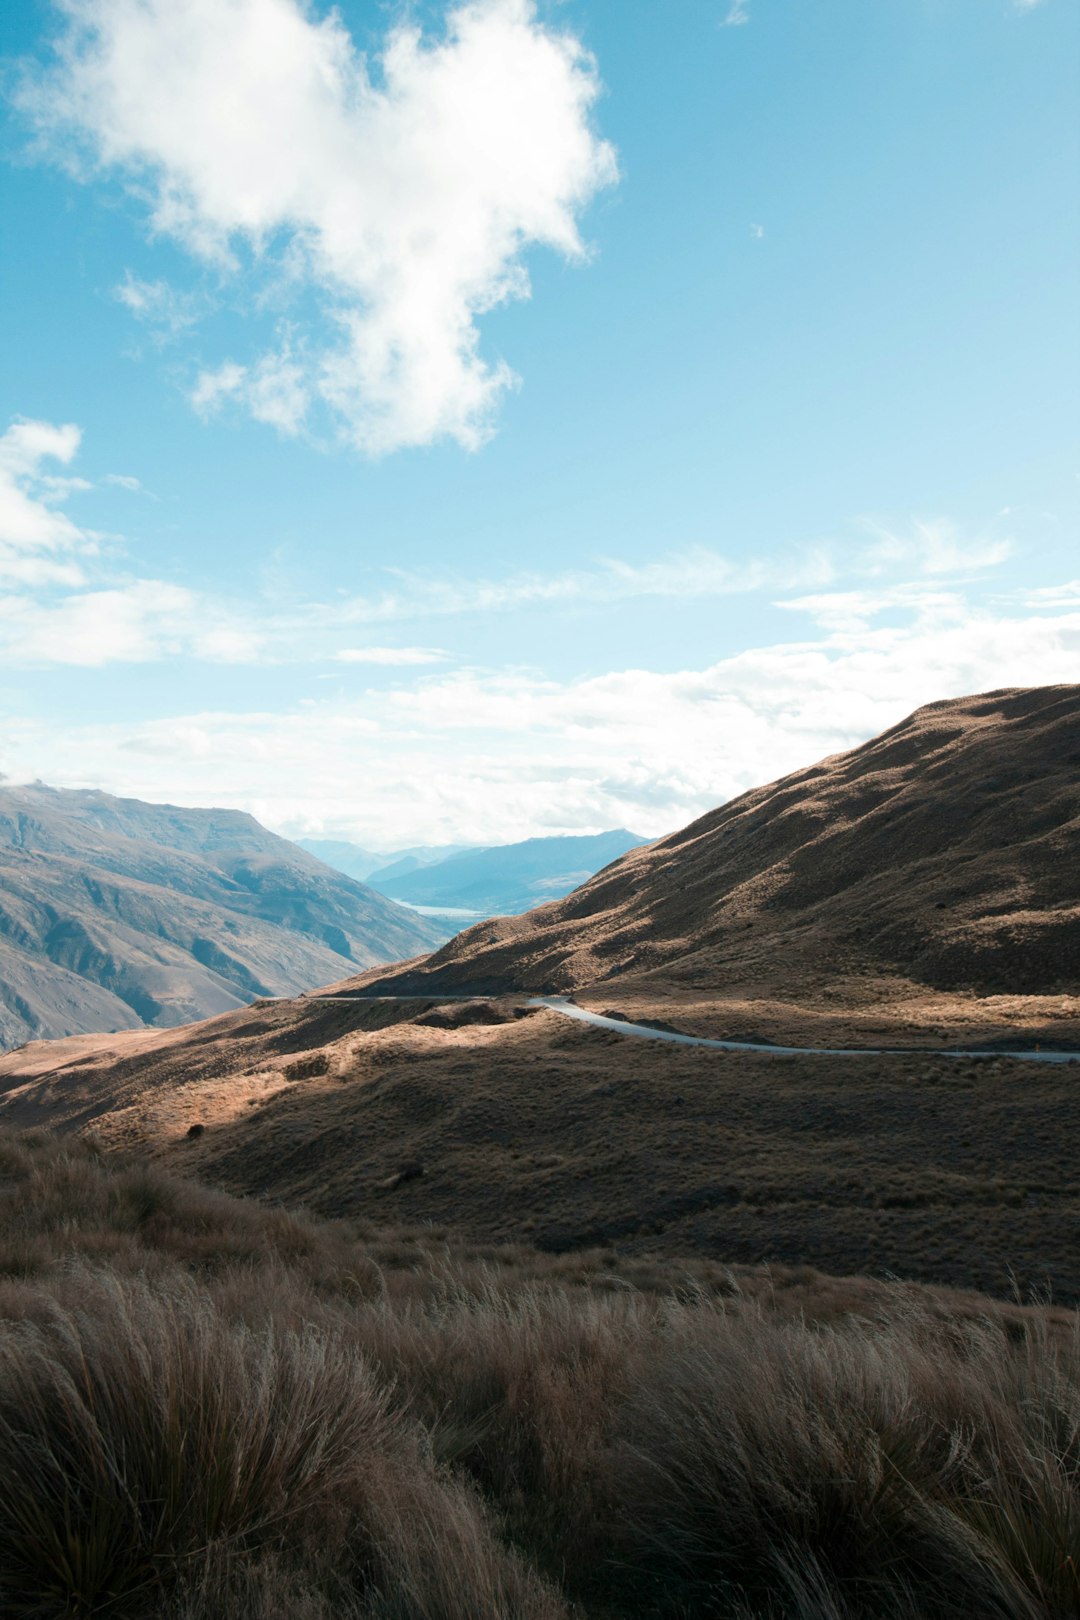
(405, 192)
(67, 603)
(695, 572)
(390, 655)
(932, 546)
(1054, 596)
(134, 486)
(38, 544)
(159, 306)
(276, 390)
(738, 14)
(845, 612)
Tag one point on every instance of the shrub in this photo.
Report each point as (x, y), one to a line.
(209, 1409)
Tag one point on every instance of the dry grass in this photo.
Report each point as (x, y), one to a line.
(212, 1409)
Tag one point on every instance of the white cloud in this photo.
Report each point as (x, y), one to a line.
(1055, 596)
(38, 544)
(855, 610)
(109, 619)
(53, 610)
(213, 387)
(275, 391)
(132, 624)
(932, 546)
(926, 549)
(134, 486)
(695, 572)
(158, 305)
(390, 655)
(404, 193)
(738, 14)
(500, 755)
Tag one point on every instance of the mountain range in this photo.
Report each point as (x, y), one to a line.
(484, 881)
(115, 913)
(365, 864)
(506, 879)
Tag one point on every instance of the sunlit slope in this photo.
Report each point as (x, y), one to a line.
(944, 851)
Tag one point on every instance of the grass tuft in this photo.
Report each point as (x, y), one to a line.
(210, 1409)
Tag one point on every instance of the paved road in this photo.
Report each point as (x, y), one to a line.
(567, 1009)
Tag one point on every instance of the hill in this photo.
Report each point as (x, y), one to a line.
(493, 1119)
(507, 878)
(943, 856)
(114, 913)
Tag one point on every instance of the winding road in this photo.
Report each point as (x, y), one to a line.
(620, 1026)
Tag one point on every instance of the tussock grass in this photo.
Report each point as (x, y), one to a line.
(211, 1409)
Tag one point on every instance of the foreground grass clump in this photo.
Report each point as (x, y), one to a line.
(211, 1409)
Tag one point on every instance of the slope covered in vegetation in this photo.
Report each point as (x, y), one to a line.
(943, 854)
(210, 1408)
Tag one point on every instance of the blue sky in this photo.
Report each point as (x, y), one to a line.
(445, 423)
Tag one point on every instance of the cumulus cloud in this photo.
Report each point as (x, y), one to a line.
(405, 191)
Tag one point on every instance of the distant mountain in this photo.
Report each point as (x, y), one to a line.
(401, 861)
(352, 859)
(365, 864)
(115, 913)
(507, 878)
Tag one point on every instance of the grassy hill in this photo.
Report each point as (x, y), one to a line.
(944, 854)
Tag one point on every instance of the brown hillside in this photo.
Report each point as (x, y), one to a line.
(945, 854)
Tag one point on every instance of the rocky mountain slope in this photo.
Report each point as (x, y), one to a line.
(115, 913)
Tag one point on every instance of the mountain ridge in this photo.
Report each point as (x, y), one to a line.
(114, 912)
